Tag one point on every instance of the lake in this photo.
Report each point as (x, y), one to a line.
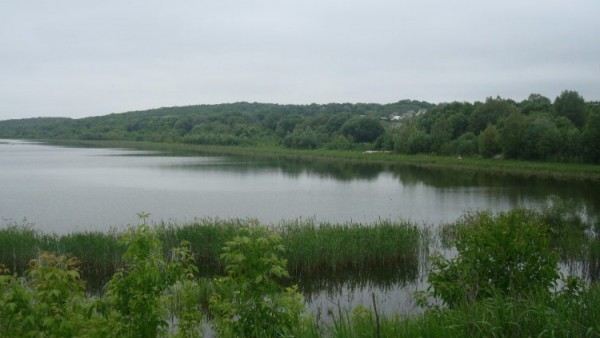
(66, 189)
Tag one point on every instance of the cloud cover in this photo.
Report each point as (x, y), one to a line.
(81, 58)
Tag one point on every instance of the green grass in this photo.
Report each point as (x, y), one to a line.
(534, 316)
(314, 251)
(555, 170)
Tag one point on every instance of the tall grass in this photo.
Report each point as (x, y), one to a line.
(314, 251)
(535, 316)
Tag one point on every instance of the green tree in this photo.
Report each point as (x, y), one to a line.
(572, 106)
(362, 129)
(441, 133)
(591, 137)
(536, 103)
(304, 138)
(541, 139)
(489, 113)
(489, 142)
(466, 144)
(511, 134)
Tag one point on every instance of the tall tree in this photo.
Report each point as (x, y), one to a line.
(572, 106)
(591, 137)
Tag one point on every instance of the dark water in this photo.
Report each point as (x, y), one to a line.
(62, 189)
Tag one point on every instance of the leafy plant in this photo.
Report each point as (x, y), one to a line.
(48, 302)
(507, 254)
(250, 300)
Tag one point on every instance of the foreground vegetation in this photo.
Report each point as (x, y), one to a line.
(315, 252)
(503, 281)
(537, 129)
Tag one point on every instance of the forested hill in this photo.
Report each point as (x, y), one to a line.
(537, 128)
(225, 124)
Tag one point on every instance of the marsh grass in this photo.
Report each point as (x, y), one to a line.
(314, 251)
(534, 316)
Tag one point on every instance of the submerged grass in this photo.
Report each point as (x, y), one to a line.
(314, 251)
(534, 316)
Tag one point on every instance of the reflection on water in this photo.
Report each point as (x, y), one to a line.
(64, 189)
(73, 189)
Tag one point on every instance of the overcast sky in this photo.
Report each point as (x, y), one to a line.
(79, 58)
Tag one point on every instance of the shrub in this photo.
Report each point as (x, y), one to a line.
(250, 301)
(48, 302)
(507, 254)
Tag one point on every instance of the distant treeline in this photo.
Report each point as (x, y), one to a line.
(567, 129)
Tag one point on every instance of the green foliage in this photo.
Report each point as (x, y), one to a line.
(507, 254)
(591, 137)
(567, 314)
(250, 301)
(511, 134)
(47, 302)
(497, 285)
(410, 140)
(541, 139)
(134, 292)
(533, 129)
(489, 113)
(362, 129)
(489, 142)
(572, 106)
(339, 142)
(536, 103)
(50, 300)
(304, 138)
(466, 144)
(441, 133)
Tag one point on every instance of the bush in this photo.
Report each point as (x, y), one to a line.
(507, 254)
(49, 302)
(250, 301)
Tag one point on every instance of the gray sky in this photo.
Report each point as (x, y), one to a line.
(80, 58)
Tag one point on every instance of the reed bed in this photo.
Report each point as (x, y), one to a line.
(314, 251)
(534, 316)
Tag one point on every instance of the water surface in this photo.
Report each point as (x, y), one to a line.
(63, 189)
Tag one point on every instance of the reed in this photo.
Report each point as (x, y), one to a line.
(535, 316)
(314, 250)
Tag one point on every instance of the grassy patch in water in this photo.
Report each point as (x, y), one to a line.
(314, 251)
(535, 316)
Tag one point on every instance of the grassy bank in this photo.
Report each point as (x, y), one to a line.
(314, 251)
(554, 170)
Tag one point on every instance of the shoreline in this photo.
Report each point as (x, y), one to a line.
(548, 170)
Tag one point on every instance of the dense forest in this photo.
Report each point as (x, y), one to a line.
(536, 128)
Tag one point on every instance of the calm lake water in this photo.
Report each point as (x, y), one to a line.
(64, 189)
